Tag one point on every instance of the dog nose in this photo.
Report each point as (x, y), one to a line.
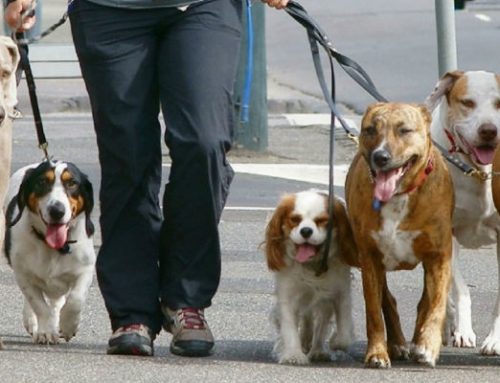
(306, 232)
(487, 132)
(2, 114)
(381, 158)
(56, 211)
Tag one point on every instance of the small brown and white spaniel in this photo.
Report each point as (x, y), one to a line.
(307, 302)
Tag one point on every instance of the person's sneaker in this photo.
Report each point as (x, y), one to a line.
(191, 335)
(133, 339)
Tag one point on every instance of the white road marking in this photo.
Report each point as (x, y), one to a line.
(483, 17)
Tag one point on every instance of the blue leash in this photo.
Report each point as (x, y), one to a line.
(245, 101)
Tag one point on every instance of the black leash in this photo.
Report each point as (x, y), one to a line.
(317, 37)
(30, 81)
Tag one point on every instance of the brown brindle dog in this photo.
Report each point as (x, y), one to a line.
(400, 202)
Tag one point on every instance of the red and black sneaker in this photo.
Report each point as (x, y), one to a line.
(191, 335)
(133, 339)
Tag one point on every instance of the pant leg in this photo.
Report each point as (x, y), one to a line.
(198, 61)
(117, 49)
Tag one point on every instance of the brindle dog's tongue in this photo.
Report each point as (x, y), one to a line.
(386, 184)
(56, 236)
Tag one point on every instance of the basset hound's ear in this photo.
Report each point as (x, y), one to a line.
(275, 234)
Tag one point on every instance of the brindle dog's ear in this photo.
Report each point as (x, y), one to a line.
(20, 200)
(442, 88)
(88, 195)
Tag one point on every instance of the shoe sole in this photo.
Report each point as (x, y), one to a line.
(193, 348)
(130, 349)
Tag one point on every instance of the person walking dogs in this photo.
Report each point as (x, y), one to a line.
(138, 56)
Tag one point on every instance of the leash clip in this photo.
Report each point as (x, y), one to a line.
(43, 147)
(478, 174)
(354, 138)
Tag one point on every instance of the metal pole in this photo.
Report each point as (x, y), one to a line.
(253, 134)
(445, 27)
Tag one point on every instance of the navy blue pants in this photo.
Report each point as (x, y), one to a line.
(134, 62)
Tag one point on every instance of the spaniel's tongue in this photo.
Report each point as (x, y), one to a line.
(56, 236)
(386, 184)
(484, 154)
(305, 252)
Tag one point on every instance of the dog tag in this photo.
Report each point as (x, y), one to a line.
(376, 204)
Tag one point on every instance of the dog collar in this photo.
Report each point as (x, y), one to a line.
(454, 148)
(65, 249)
(420, 178)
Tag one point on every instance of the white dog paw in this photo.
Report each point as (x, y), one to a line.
(422, 355)
(490, 346)
(68, 329)
(45, 338)
(465, 339)
(296, 358)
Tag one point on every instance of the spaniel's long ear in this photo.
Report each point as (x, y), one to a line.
(275, 235)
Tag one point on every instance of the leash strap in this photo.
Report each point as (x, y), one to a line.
(317, 37)
(30, 81)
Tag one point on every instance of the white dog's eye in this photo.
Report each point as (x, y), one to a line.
(468, 103)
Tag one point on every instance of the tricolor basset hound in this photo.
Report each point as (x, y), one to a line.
(49, 244)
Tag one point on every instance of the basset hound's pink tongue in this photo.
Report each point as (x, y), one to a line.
(56, 236)
(305, 252)
(484, 154)
(386, 184)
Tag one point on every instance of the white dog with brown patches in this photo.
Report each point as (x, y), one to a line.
(466, 121)
(306, 301)
(9, 58)
(49, 245)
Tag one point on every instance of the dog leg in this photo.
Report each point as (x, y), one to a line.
(491, 345)
(343, 337)
(292, 349)
(46, 333)
(321, 320)
(30, 322)
(306, 328)
(462, 334)
(373, 277)
(432, 308)
(396, 342)
(70, 312)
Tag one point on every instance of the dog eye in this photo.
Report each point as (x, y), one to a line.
(497, 104)
(468, 103)
(71, 183)
(405, 130)
(295, 219)
(41, 184)
(370, 131)
(323, 221)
